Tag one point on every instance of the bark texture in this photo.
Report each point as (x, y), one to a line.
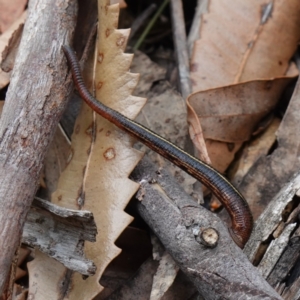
(35, 101)
(60, 233)
(218, 273)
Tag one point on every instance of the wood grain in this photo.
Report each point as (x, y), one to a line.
(35, 101)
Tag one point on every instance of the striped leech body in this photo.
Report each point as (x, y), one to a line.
(229, 196)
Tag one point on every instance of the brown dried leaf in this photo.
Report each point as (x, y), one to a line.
(244, 105)
(238, 42)
(239, 46)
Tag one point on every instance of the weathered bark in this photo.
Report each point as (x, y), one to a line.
(60, 233)
(34, 104)
(218, 273)
(274, 245)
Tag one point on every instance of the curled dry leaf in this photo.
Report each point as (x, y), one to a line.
(102, 157)
(230, 114)
(239, 46)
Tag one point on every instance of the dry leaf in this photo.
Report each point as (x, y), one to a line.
(22, 255)
(237, 44)
(112, 157)
(230, 114)
(44, 278)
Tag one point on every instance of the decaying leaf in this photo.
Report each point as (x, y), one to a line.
(102, 157)
(239, 46)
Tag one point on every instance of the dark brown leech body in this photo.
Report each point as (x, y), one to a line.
(230, 197)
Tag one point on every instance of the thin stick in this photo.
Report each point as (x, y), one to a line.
(180, 43)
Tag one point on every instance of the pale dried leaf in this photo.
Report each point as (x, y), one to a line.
(102, 156)
(45, 280)
(112, 157)
(69, 189)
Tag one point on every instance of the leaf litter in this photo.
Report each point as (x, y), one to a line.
(96, 140)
